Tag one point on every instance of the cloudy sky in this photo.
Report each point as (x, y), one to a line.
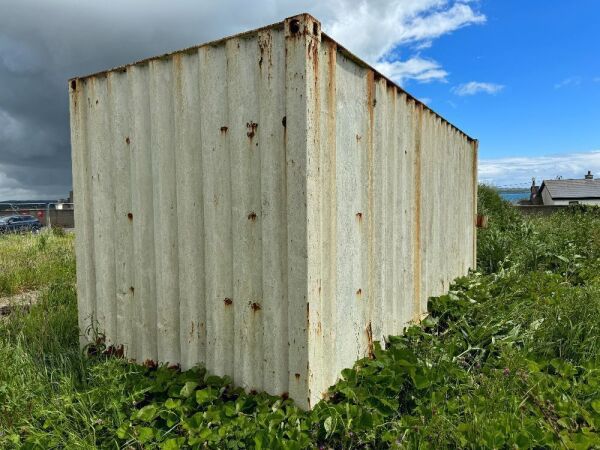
(523, 77)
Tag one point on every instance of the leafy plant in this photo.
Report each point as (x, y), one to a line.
(508, 358)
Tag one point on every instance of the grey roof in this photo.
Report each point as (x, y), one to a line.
(572, 188)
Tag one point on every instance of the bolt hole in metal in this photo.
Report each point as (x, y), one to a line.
(295, 26)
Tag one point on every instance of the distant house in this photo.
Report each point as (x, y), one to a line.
(584, 191)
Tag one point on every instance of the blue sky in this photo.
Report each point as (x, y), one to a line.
(545, 55)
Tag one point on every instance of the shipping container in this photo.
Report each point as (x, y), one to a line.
(266, 205)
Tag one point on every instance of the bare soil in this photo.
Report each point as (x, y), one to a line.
(23, 300)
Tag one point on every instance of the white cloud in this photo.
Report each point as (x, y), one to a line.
(44, 43)
(374, 29)
(477, 87)
(518, 171)
(417, 68)
(424, 45)
(571, 81)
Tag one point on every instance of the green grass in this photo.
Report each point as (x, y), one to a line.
(509, 358)
(29, 262)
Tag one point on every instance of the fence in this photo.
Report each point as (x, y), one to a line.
(46, 213)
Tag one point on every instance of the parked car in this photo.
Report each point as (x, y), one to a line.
(16, 224)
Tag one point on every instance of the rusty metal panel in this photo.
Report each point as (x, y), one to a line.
(266, 205)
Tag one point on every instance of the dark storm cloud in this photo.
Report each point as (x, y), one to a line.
(43, 43)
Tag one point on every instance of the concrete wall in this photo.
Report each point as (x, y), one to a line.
(266, 205)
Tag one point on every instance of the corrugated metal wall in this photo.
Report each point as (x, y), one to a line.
(395, 208)
(266, 205)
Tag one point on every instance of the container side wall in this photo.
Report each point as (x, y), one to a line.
(162, 137)
(84, 249)
(265, 205)
(102, 192)
(271, 138)
(123, 217)
(325, 326)
(190, 208)
(246, 214)
(143, 202)
(303, 204)
(396, 214)
(191, 172)
(351, 196)
(216, 188)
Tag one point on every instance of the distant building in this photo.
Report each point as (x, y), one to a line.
(584, 191)
(66, 203)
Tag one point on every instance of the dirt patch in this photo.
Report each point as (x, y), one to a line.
(20, 301)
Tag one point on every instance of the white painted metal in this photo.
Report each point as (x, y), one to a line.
(266, 205)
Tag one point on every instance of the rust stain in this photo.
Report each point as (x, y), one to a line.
(224, 129)
(150, 364)
(307, 313)
(481, 221)
(251, 126)
(294, 26)
(359, 292)
(285, 395)
(255, 306)
(228, 301)
(130, 216)
(370, 96)
(116, 351)
(297, 375)
(252, 216)
(358, 137)
(359, 216)
(371, 349)
(127, 141)
(265, 45)
(132, 290)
